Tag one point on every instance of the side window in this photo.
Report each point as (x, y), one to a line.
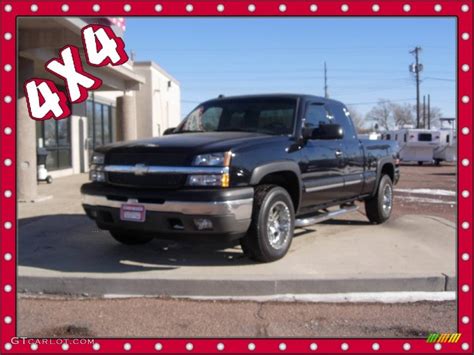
(343, 118)
(405, 137)
(317, 115)
(396, 137)
(388, 137)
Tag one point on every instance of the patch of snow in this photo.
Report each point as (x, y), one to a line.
(438, 192)
(425, 200)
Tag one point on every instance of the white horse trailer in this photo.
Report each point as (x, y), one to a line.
(447, 149)
(373, 136)
(416, 145)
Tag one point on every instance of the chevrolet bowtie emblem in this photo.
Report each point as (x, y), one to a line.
(140, 169)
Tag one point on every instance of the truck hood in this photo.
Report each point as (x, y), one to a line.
(194, 143)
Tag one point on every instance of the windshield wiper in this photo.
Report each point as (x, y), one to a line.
(235, 130)
(197, 131)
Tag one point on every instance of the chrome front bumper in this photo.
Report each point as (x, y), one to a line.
(239, 209)
(172, 213)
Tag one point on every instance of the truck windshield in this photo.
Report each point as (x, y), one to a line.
(273, 116)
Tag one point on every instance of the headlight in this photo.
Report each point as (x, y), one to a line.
(213, 159)
(98, 158)
(96, 172)
(98, 176)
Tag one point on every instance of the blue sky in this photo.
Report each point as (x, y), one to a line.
(367, 59)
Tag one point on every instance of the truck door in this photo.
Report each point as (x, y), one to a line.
(353, 153)
(323, 165)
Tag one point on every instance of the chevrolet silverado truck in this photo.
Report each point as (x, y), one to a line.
(251, 168)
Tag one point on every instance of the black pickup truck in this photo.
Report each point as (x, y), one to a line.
(250, 167)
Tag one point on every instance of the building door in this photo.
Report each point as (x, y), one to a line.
(55, 136)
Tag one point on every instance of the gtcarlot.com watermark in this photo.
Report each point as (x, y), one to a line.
(29, 341)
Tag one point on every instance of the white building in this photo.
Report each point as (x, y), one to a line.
(158, 101)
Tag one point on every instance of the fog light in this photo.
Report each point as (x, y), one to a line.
(98, 176)
(203, 223)
(205, 180)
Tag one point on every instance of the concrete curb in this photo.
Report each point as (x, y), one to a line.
(207, 287)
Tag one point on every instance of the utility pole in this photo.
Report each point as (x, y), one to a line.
(326, 95)
(424, 111)
(429, 113)
(417, 68)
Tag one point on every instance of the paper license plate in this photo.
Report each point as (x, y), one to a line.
(133, 213)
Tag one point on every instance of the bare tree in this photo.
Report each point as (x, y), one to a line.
(358, 120)
(435, 115)
(403, 114)
(382, 114)
(389, 115)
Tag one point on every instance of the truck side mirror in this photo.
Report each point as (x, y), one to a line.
(168, 131)
(324, 131)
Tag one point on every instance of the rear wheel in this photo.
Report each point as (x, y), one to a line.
(130, 238)
(379, 207)
(420, 163)
(273, 220)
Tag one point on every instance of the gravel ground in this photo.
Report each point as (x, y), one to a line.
(150, 317)
(438, 187)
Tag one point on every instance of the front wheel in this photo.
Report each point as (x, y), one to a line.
(379, 207)
(129, 237)
(273, 220)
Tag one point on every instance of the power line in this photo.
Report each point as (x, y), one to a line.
(301, 70)
(442, 79)
(349, 104)
(376, 102)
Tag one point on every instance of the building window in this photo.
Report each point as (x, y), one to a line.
(99, 123)
(55, 136)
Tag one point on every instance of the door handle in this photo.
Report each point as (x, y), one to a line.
(338, 154)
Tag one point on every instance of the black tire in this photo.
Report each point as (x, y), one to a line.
(437, 162)
(49, 179)
(257, 244)
(374, 206)
(130, 238)
(420, 163)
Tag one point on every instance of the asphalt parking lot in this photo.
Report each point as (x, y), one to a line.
(61, 252)
(146, 317)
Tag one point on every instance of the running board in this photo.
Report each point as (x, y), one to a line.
(304, 222)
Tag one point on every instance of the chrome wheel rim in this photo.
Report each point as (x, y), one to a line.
(387, 199)
(278, 224)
